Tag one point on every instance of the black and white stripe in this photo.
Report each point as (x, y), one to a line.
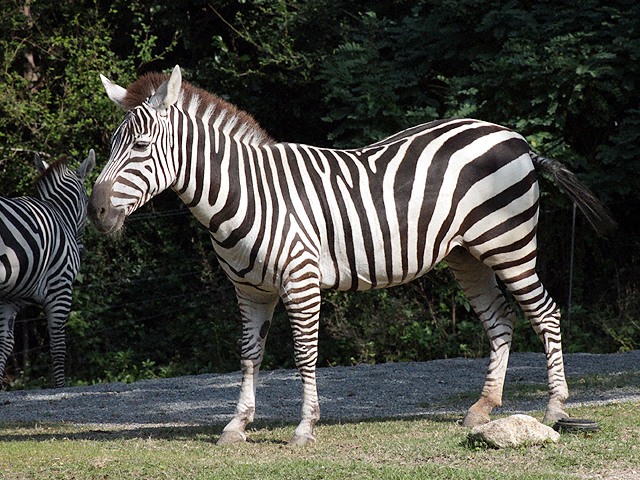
(287, 220)
(40, 253)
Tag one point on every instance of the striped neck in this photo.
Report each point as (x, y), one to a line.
(64, 192)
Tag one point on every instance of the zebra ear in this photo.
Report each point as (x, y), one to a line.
(85, 168)
(115, 92)
(41, 165)
(169, 92)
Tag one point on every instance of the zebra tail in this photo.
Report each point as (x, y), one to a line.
(589, 205)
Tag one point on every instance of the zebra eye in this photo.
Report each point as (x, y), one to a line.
(141, 144)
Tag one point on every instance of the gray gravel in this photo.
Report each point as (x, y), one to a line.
(346, 393)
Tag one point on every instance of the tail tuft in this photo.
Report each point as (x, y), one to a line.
(589, 205)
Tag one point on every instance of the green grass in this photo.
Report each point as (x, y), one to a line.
(422, 448)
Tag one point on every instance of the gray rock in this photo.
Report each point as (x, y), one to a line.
(514, 431)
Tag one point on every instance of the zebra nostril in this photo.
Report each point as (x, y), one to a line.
(101, 214)
(96, 212)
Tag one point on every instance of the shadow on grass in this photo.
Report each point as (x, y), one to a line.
(39, 432)
(45, 432)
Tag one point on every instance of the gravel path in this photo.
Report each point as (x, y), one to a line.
(346, 393)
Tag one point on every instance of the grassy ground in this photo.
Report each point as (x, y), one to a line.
(430, 448)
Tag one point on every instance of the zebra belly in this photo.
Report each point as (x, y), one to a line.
(373, 271)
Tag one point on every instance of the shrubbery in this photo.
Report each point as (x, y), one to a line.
(154, 302)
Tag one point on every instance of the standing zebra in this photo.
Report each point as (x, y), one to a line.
(40, 252)
(287, 220)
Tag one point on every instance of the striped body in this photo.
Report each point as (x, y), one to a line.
(369, 218)
(40, 252)
(287, 220)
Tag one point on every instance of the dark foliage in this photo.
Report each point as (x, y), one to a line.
(154, 302)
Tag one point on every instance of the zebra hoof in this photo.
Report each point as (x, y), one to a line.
(473, 419)
(300, 440)
(552, 416)
(231, 437)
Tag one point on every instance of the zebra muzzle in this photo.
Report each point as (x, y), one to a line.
(104, 216)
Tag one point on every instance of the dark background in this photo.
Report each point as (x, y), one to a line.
(153, 301)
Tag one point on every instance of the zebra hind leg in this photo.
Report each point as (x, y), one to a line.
(544, 316)
(8, 314)
(520, 277)
(257, 312)
(479, 284)
(57, 312)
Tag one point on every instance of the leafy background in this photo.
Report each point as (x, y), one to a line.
(153, 301)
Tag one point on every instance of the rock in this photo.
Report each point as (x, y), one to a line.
(514, 431)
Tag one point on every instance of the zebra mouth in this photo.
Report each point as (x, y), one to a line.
(107, 221)
(104, 216)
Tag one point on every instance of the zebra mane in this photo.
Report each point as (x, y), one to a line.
(52, 169)
(200, 103)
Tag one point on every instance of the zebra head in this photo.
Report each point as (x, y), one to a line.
(140, 165)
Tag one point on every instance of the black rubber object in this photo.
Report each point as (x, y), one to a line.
(576, 425)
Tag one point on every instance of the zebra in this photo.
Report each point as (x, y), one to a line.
(41, 248)
(287, 220)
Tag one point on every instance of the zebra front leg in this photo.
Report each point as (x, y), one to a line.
(256, 320)
(57, 311)
(8, 314)
(479, 284)
(303, 307)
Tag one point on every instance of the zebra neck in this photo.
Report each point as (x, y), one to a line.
(215, 151)
(220, 183)
(63, 209)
